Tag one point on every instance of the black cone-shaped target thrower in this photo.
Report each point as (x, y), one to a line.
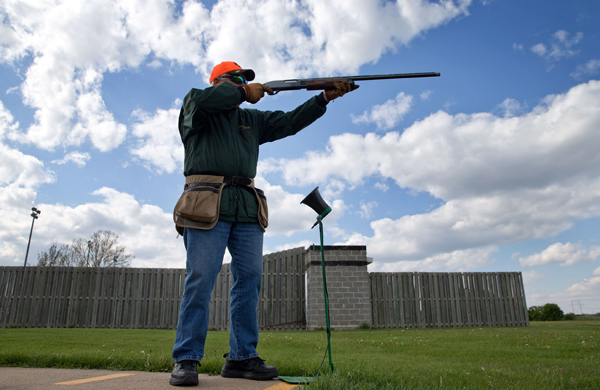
(315, 202)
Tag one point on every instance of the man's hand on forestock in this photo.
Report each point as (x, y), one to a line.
(255, 92)
(341, 88)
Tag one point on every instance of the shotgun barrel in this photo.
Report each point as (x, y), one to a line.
(326, 83)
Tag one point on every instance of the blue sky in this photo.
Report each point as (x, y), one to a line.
(493, 166)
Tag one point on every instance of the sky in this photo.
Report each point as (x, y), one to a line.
(491, 167)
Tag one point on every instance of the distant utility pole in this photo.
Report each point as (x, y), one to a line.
(577, 303)
(34, 213)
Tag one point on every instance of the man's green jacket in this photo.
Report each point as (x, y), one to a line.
(221, 139)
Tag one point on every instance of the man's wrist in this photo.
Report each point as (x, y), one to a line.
(321, 100)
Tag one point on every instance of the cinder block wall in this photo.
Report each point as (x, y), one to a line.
(348, 286)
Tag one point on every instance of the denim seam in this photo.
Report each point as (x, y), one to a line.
(241, 358)
(237, 312)
(189, 357)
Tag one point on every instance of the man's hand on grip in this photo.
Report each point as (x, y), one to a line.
(255, 92)
(341, 88)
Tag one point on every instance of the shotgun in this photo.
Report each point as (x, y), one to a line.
(325, 83)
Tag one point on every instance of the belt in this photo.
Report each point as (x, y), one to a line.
(237, 181)
(228, 181)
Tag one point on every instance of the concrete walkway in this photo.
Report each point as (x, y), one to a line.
(55, 378)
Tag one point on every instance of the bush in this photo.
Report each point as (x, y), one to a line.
(552, 312)
(548, 312)
(570, 316)
(535, 313)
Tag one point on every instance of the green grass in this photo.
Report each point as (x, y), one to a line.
(546, 355)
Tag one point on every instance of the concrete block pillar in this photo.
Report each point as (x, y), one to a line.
(348, 286)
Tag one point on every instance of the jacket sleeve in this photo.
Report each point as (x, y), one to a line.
(279, 124)
(200, 103)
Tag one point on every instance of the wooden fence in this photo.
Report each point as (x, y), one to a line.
(410, 300)
(281, 302)
(59, 297)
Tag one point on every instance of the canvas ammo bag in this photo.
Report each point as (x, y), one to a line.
(198, 207)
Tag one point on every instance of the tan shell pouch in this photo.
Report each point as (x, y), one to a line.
(199, 205)
(263, 209)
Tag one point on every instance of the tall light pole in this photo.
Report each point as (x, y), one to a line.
(34, 213)
(87, 262)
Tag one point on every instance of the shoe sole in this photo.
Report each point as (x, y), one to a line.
(188, 380)
(247, 375)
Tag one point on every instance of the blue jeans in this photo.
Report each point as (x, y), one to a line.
(205, 251)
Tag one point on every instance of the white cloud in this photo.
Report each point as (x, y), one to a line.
(588, 288)
(388, 114)
(560, 46)
(314, 36)
(155, 64)
(588, 69)
(531, 277)
(333, 189)
(579, 297)
(7, 122)
(456, 261)
(464, 155)
(563, 254)
(287, 215)
(510, 107)
(72, 44)
(539, 49)
(145, 230)
(426, 94)
(366, 209)
(597, 271)
(382, 186)
(20, 176)
(159, 145)
(503, 180)
(504, 218)
(303, 244)
(78, 158)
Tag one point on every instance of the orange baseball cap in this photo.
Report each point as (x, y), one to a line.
(231, 68)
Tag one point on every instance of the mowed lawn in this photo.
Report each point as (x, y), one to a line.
(546, 355)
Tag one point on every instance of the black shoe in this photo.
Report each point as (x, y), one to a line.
(254, 368)
(185, 373)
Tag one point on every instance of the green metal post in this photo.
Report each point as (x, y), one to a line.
(326, 295)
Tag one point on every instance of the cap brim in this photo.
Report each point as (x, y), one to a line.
(248, 73)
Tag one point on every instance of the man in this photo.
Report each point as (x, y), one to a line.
(221, 208)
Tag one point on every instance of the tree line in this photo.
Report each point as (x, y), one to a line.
(548, 312)
(101, 250)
